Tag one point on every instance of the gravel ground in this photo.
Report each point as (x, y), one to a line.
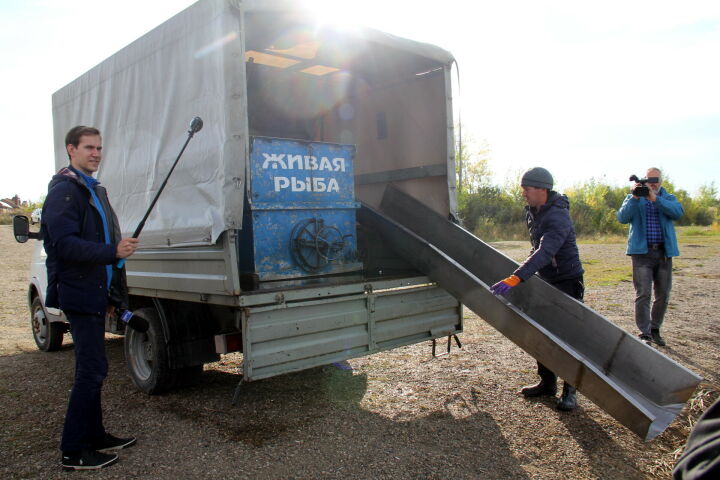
(395, 415)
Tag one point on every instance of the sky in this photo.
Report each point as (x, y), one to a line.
(587, 90)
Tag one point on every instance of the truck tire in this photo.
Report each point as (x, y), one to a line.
(146, 355)
(48, 335)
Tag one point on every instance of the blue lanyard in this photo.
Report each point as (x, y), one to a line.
(91, 182)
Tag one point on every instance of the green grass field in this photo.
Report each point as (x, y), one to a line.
(604, 273)
(618, 269)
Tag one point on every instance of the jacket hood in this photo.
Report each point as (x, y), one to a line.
(65, 174)
(558, 200)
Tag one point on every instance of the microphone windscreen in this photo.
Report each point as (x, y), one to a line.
(196, 125)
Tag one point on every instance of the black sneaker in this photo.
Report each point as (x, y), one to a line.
(88, 460)
(646, 339)
(657, 338)
(111, 442)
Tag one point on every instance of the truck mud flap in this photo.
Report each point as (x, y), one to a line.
(636, 384)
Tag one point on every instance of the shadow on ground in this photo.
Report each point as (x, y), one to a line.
(309, 424)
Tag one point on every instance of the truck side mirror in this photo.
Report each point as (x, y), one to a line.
(21, 229)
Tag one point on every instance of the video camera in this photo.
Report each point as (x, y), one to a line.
(643, 190)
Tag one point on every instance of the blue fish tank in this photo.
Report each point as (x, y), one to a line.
(301, 210)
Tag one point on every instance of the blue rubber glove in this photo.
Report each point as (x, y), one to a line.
(504, 286)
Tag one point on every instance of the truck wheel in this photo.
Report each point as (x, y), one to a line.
(146, 355)
(48, 335)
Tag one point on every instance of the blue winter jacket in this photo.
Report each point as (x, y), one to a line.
(77, 254)
(554, 255)
(633, 211)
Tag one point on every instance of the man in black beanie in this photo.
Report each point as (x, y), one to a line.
(554, 257)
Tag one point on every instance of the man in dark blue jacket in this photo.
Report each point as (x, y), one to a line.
(651, 245)
(554, 257)
(83, 243)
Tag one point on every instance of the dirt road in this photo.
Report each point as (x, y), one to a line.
(396, 415)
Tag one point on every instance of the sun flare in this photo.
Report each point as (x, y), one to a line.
(338, 14)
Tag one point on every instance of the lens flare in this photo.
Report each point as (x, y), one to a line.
(216, 45)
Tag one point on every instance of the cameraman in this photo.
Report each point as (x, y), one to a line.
(651, 245)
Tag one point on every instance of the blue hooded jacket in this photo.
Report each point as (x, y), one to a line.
(554, 255)
(633, 211)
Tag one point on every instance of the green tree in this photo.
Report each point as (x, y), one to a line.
(593, 207)
(478, 173)
(707, 195)
(496, 212)
(709, 205)
(472, 165)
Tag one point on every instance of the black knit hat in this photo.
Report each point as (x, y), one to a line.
(537, 177)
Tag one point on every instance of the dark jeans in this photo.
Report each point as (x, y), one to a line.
(575, 287)
(83, 421)
(651, 271)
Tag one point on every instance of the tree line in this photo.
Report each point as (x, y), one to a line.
(495, 212)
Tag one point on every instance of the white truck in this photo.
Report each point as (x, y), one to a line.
(253, 245)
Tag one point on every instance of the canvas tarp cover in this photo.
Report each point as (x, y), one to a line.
(143, 99)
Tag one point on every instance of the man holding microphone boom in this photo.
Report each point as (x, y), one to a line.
(82, 239)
